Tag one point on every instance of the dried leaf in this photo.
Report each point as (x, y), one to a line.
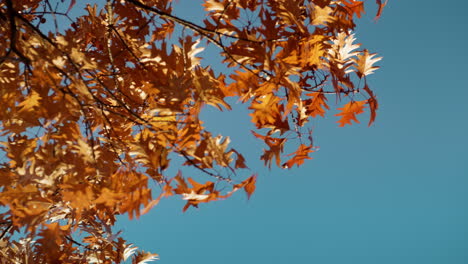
(31, 101)
(365, 62)
(373, 104)
(349, 112)
(321, 16)
(298, 157)
(380, 8)
(354, 7)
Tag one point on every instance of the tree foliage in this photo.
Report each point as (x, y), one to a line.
(96, 104)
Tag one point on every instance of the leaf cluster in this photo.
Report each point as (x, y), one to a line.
(97, 104)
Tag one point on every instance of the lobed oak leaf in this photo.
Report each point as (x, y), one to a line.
(364, 63)
(199, 193)
(216, 149)
(109, 198)
(266, 109)
(85, 150)
(310, 53)
(190, 50)
(301, 154)
(209, 89)
(321, 15)
(317, 104)
(248, 185)
(275, 145)
(129, 251)
(340, 56)
(291, 13)
(52, 241)
(182, 186)
(354, 7)
(208, 186)
(293, 58)
(343, 47)
(31, 101)
(81, 60)
(243, 84)
(145, 258)
(213, 5)
(349, 112)
(79, 196)
(240, 161)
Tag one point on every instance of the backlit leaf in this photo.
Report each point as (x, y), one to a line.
(365, 63)
(349, 112)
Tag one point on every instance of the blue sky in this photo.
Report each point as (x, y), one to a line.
(391, 193)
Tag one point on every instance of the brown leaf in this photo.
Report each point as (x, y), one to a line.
(380, 8)
(373, 104)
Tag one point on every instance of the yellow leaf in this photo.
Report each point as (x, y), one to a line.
(30, 102)
(266, 109)
(320, 16)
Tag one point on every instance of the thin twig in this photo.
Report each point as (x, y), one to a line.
(10, 224)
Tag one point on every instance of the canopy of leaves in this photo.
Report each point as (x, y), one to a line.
(96, 106)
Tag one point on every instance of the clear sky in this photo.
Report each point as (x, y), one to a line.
(392, 193)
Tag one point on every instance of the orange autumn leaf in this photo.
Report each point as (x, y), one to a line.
(317, 104)
(198, 193)
(354, 7)
(349, 112)
(266, 109)
(248, 185)
(298, 157)
(276, 146)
